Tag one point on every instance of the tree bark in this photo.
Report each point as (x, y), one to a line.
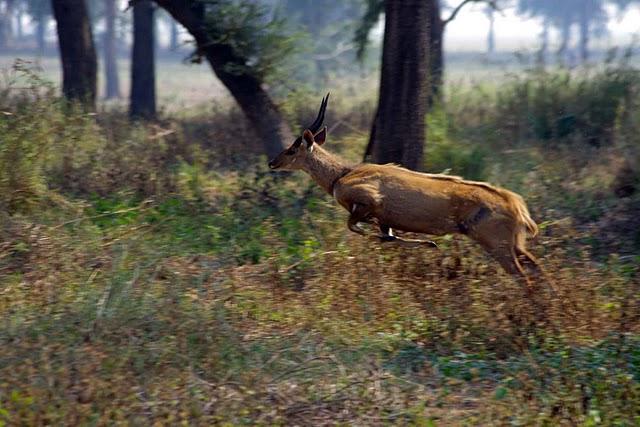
(77, 51)
(143, 81)
(112, 81)
(398, 133)
(247, 89)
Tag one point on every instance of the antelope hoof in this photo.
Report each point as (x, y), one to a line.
(388, 238)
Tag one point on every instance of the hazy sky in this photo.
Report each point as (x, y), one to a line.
(469, 31)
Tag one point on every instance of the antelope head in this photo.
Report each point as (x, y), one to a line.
(294, 157)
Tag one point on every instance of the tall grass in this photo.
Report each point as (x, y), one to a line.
(159, 274)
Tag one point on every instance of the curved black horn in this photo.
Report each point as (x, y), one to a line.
(315, 127)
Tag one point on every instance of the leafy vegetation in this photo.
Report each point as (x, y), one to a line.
(159, 274)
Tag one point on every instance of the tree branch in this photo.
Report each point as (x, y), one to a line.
(458, 8)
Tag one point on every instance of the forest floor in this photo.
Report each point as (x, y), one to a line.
(160, 274)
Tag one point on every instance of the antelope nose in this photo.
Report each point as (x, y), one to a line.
(271, 165)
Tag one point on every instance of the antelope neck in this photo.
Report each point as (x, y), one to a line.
(325, 168)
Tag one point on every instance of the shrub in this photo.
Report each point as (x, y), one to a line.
(562, 104)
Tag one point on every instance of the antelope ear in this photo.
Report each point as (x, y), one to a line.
(308, 137)
(321, 136)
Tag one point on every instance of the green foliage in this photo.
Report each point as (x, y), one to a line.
(261, 40)
(28, 123)
(563, 105)
(456, 158)
(374, 9)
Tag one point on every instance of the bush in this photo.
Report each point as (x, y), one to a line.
(561, 104)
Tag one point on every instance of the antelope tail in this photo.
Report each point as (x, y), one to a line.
(522, 214)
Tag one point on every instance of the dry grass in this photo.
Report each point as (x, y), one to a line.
(144, 280)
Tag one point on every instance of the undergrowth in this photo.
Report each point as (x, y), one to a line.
(160, 274)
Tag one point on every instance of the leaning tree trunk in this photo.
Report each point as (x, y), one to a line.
(143, 81)
(398, 134)
(77, 52)
(112, 81)
(247, 89)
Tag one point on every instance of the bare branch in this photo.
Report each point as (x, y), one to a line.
(341, 48)
(458, 8)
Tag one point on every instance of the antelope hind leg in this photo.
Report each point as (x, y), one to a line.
(388, 237)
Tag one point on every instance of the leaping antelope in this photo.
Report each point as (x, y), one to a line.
(397, 198)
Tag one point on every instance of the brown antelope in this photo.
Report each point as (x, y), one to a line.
(397, 198)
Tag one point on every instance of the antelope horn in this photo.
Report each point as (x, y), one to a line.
(315, 127)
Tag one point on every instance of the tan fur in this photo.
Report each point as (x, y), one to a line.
(395, 197)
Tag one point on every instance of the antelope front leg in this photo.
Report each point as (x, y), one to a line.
(359, 213)
(387, 236)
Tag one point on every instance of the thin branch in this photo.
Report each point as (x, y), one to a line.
(457, 9)
(341, 48)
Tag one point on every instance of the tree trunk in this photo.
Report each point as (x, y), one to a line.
(247, 89)
(436, 51)
(565, 36)
(491, 36)
(173, 42)
(143, 79)
(584, 33)
(398, 134)
(6, 24)
(19, 27)
(544, 41)
(77, 51)
(41, 28)
(112, 81)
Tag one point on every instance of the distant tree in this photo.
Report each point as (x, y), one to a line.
(491, 34)
(112, 81)
(243, 49)
(40, 11)
(330, 25)
(173, 38)
(143, 71)
(19, 31)
(592, 19)
(7, 9)
(77, 51)
(589, 15)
